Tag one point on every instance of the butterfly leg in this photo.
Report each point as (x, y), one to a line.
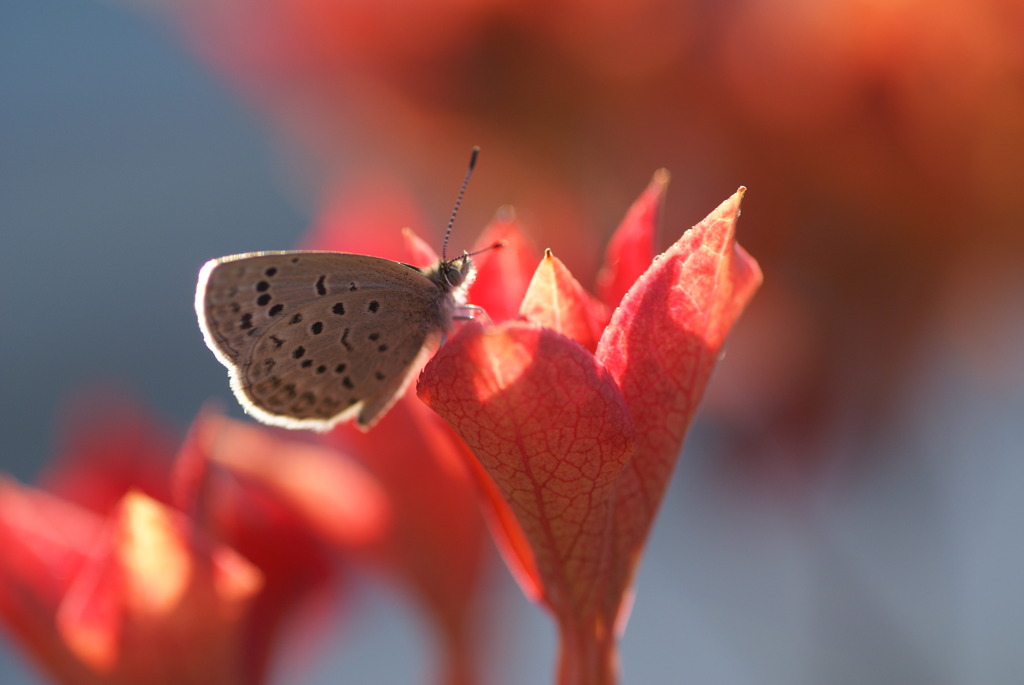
(470, 312)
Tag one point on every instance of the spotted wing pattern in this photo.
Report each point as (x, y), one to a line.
(314, 338)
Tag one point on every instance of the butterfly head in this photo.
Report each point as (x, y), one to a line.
(457, 274)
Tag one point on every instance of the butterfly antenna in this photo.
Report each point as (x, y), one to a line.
(494, 246)
(458, 201)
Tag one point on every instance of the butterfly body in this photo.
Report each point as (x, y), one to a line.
(311, 339)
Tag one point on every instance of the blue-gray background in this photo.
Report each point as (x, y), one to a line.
(124, 165)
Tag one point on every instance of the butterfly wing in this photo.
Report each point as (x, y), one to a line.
(314, 338)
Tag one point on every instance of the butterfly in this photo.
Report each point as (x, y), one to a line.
(311, 339)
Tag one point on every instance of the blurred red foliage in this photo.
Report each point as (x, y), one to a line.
(881, 141)
(238, 530)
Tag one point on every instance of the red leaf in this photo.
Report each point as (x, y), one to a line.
(330, 495)
(418, 251)
(435, 539)
(285, 505)
(138, 597)
(556, 300)
(110, 444)
(631, 248)
(503, 275)
(366, 219)
(160, 603)
(547, 422)
(45, 541)
(661, 347)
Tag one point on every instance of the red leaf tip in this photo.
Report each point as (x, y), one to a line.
(631, 248)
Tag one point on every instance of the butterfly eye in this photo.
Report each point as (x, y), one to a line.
(453, 275)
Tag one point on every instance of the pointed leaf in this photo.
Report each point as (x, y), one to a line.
(556, 300)
(366, 219)
(661, 347)
(631, 248)
(503, 274)
(418, 251)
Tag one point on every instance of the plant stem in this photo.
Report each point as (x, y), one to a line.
(588, 653)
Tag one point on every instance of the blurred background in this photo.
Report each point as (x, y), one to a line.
(848, 507)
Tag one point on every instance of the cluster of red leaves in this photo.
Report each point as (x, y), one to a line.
(577, 406)
(139, 563)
